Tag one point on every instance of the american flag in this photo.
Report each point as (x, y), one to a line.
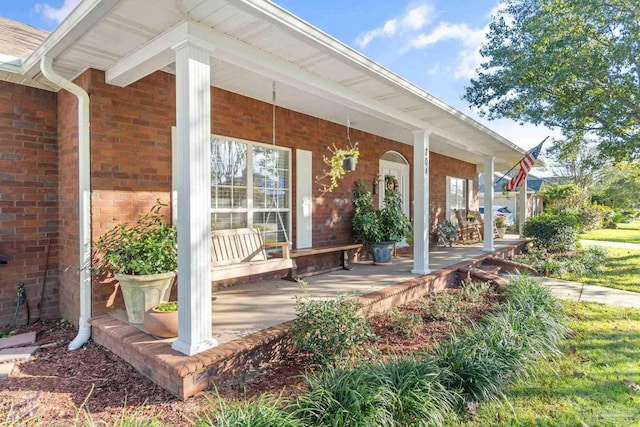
(525, 166)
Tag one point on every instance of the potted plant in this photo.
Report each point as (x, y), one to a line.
(162, 320)
(143, 258)
(447, 233)
(501, 226)
(471, 217)
(379, 228)
(342, 160)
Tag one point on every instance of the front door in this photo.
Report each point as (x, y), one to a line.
(400, 173)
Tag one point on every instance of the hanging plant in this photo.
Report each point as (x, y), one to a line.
(340, 157)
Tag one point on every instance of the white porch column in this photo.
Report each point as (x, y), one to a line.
(488, 203)
(193, 120)
(522, 206)
(421, 202)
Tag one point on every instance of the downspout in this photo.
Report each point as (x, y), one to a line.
(84, 188)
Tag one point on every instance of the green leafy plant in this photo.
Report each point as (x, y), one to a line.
(440, 306)
(500, 221)
(329, 329)
(147, 247)
(266, 411)
(403, 323)
(447, 233)
(553, 233)
(474, 292)
(167, 306)
(371, 225)
(336, 170)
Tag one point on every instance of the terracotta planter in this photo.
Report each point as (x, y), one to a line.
(161, 324)
(141, 292)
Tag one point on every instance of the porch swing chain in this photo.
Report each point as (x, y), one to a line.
(274, 199)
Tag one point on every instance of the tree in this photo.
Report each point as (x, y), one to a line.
(620, 186)
(570, 64)
(577, 160)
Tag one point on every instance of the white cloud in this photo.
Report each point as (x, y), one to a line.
(446, 31)
(51, 13)
(415, 19)
(469, 58)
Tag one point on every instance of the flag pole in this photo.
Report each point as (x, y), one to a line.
(514, 166)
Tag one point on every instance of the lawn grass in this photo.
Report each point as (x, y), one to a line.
(620, 271)
(586, 385)
(625, 233)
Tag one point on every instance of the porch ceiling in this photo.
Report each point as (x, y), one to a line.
(320, 76)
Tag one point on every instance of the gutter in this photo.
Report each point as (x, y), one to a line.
(84, 187)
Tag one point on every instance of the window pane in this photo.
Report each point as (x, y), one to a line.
(228, 162)
(272, 225)
(225, 221)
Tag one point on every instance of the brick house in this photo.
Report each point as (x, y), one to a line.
(95, 115)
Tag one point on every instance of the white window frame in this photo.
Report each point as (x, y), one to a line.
(449, 212)
(249, 211)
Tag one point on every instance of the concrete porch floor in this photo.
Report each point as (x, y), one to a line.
(249, 319)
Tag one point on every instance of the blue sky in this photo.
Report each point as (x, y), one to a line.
(433, 43)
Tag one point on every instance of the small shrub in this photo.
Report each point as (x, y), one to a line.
(403, 323)
(592, 216)
(343, 397)
(474, 292)
(553, 233)
(440, 305)
(329, 329)
(265, 412)
(420, 397)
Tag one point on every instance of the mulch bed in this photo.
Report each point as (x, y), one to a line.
(55, 384)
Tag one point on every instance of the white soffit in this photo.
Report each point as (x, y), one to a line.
(100, 33)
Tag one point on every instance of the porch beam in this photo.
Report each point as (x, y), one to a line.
(193, 117)
(421, 202)
(522, 206)
(488, 203)
(153, 56)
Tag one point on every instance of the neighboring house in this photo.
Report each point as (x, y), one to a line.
(511, 199)
(133, 100)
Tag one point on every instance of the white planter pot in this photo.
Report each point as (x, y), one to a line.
(141, 292)
(501, 231)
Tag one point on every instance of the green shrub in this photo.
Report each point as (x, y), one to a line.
(419, 396)
(592, 216)
(329, 329)
(440, 305)
(403, 323)
(488, 356)
(553, 233)
(265, 412)
(400, 392)
(474, 292)
(343, 397)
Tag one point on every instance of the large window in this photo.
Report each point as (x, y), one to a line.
(250, 187)
(456, 198)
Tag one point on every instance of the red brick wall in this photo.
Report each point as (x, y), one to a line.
(28, 200)
(439, 168)
(131, 156)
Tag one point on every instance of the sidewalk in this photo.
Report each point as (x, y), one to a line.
(582, 292)
(611, 244)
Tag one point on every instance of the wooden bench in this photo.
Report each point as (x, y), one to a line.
(344, 256)
(241, 252)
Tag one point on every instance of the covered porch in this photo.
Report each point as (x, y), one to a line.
(250, 322)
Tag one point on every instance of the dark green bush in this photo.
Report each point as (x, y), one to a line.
(329, 329)
(553, 233)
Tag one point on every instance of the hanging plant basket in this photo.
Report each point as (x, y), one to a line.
(349, 163)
